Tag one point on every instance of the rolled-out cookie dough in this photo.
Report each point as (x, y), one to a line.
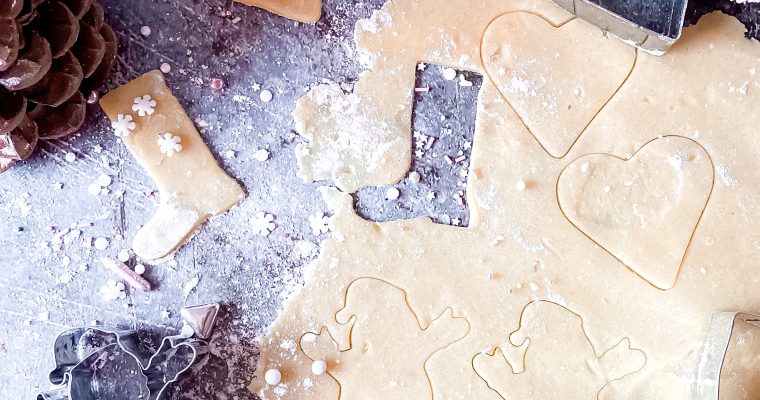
(300, 10)
(520, 247)
(191, 184)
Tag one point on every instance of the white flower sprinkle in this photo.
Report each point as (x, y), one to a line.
(263, 223)
(169, 144)
(319, 223)
(94, 189)
(113, 290)
(123, 125)
(144, 105)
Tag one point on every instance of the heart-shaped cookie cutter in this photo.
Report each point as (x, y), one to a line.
(101, 364)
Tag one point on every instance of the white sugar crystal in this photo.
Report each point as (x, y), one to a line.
(266, 96)
(261, 155)
(392, 193)
(101, 243)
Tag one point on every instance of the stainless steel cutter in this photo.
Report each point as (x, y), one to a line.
(651, 25)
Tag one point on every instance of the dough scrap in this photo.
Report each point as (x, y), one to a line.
(372, 346)
(643, 210)
(556, 77)
(519, 246)
(307, 11)
(558, 358)
(192, 186)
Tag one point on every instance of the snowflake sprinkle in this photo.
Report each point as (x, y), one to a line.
(263, 223)
(320, 223)
(113, 290)
(123, 125)
(144, 105)
(169, 143)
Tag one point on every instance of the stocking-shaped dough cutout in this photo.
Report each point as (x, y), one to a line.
(374, 367)
(307, 11)
(556, 78)
(193, 187)
(559, 358)
(643, 210)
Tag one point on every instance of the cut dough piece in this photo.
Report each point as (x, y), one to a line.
(556, 78)
(192, 185)
(374, 347)
(300, 10)
(557, 347)
(643, 210)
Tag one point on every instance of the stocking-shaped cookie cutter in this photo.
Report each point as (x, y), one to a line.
(719, 336)
(101, 364)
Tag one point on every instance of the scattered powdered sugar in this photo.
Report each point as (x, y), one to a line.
(725, 175)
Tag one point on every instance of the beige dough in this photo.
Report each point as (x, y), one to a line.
(660, 193)
(556, 78)
(636, 321)
(300, 10)
(533, 376)
(192, 186)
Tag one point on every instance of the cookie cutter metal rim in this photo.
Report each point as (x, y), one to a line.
(720, 331)
(61, 376)
(655, 43)
(174, 342)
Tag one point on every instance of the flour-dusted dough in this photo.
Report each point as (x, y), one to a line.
(520, 247)
(192, 186)
(643, 210)
(300, 10)
(558, 86)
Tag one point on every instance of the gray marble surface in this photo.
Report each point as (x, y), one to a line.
(51, 276)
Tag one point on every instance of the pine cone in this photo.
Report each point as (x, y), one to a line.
(51, 51)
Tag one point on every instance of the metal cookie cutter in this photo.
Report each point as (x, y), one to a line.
(727, 335)
(101, 364)
(651, 25)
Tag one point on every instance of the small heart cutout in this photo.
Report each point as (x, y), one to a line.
(642, 210)
(556, 78)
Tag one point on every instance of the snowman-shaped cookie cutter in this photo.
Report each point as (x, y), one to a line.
(100, 364)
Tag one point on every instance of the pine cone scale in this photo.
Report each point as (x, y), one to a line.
(12, 110)
(59, 26)
(33, 63)
(10, 43)
(51, 51)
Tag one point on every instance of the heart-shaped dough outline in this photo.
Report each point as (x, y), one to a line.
(693, 230)
(511, 106)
